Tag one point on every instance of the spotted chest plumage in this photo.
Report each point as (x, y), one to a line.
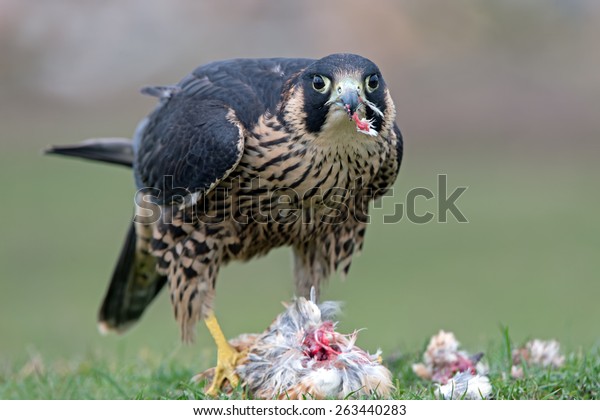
(289, 189)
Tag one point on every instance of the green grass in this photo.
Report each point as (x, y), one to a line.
(528, 258)
(151, 376)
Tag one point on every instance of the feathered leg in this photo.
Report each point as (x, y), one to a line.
(193, 262)
(314, 262)
(310, 269)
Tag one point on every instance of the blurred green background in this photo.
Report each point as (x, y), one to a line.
(502, 96)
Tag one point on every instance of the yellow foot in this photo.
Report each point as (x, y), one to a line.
(227, 358)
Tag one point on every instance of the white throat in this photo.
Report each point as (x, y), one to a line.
(339, 130)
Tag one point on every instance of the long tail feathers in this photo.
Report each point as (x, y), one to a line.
(133, 286)
(112, 150)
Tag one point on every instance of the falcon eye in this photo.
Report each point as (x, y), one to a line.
(320, 83)
(372, 82)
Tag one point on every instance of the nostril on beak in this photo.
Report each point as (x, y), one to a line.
(351, 101)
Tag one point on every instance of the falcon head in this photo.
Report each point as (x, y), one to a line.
(337, 92)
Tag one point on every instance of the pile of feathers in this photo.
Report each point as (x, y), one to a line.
(301, 355)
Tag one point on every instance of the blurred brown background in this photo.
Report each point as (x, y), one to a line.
(503, 96)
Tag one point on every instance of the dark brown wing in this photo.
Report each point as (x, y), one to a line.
(194, 138)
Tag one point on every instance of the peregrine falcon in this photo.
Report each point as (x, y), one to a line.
(240, 157)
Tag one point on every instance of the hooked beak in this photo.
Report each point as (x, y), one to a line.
(348, 91)
(348, 95)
